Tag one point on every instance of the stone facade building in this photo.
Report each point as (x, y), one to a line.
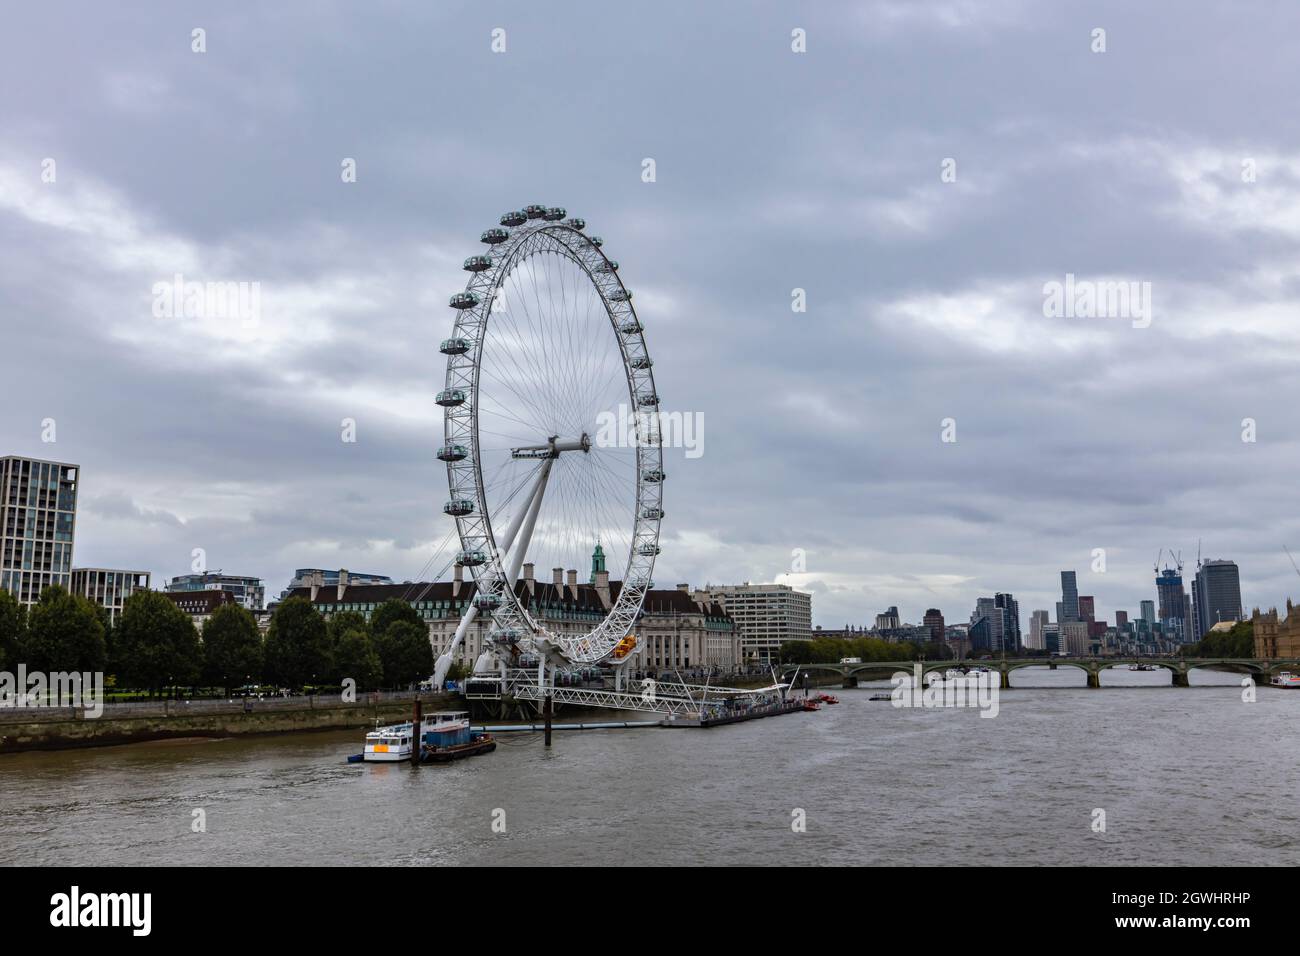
(674, 630)
(1277, 638)
(200, 605)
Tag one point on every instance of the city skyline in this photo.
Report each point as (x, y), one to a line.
(1068, 578)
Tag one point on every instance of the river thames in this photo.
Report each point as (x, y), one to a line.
(1184, 776)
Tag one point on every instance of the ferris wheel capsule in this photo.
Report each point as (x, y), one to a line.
(631, 327)
(641, 362)
(494, 236)
(453, 453)
(555, 214)
(535, 211)
(621, 295)
(458, 507)
(451, 397)
(471, 559)
(455, 346)
(576, 223)
(514, 218)
(464, 300)
(478, 263)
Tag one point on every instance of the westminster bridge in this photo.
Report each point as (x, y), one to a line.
(1259, 669)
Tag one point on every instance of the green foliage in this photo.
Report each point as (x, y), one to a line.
(457, 671)
(829, 650)
(297, 645)
(355, 657)
(344, 621)
(936, 651)
(391, 612)
(13, 622)
(405, 652)
(1238, 642)
(232, 648)
(156, 644)
(64, 634)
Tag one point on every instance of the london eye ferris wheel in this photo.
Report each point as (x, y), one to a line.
(551, 436)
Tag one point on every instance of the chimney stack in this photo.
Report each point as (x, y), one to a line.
(557, 579)
(528, 578)
(573, 584)
(343, 584)
(317, 582)
(457, 579)
(684, 588)
(602, 588)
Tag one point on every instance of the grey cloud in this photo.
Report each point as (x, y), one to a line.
(775, 171)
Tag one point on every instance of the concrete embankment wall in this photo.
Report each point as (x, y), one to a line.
(41, 733)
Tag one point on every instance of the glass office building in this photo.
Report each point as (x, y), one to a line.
(38, 521)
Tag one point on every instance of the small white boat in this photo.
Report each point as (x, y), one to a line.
(389, 744)
(1285, 679)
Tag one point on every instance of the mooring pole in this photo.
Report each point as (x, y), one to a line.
(546, 712)
(417, 723)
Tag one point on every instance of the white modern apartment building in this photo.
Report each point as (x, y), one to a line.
(108, 587)
(767, 615)
(38, 520)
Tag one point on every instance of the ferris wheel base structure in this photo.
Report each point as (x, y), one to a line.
(671, 700)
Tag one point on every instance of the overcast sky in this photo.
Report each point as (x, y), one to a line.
(775, 170)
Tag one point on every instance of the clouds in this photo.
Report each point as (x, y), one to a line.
(775, 170)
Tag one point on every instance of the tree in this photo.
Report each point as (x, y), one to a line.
(1237, 642)
(232, 647)
(355, 658)
(391, 612)
(13, 621)
(156, 644)
(405, 652)
(344, 621)
(458, 671)
(64, 634)
(297, 645)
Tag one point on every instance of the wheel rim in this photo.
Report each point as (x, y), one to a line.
(527, 371)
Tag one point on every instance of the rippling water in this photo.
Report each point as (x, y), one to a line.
(1185, 776)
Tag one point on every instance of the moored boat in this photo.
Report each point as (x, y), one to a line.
(447, 736)
(1285, 679)
(396, 742)
(388, 744)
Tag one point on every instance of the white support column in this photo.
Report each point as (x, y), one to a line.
(534, 502)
